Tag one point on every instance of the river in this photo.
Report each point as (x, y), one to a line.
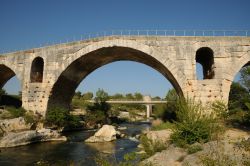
(72, 151)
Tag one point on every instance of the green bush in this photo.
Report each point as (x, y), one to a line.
(30, 118)
(61, 118)
(150, 146)
(163, 126)
(194, 148)
(193, 125)
(16, 112)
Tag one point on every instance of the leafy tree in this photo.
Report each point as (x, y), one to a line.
(129, 96)
(78, 94)
(117, 96)
(87, 96)
(100, 107)
(238, 96)
(245, 77)
(2, 92)
(138, 96)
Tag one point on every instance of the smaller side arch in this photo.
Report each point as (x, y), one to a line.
(36, 72)
(205, 57)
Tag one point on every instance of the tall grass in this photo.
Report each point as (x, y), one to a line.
(193, 124)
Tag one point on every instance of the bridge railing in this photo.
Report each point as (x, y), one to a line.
(87, 36)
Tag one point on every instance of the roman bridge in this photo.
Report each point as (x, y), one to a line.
(49, 75)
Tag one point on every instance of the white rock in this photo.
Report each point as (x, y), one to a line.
(16, 124)
(105, 134)
(30, 136)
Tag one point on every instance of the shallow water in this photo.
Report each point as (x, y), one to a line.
(73, 151)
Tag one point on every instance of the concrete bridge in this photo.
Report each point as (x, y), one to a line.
(147, 101)
(50, 75)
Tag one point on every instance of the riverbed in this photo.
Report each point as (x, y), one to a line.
(74, 151)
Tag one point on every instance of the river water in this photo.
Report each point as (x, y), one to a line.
(72, 151)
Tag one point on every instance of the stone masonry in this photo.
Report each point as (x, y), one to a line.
(64, 66)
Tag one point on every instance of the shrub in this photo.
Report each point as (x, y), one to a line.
(150, 146)
(16, 112)
(30, 118)
(194, 148)
(163, 126)
(192, 124)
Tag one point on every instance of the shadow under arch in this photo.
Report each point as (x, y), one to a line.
(64, 88)
(5, 74)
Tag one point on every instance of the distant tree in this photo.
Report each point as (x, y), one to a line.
(2, 92)
(245, 77)
(87, 96)
(78, 94)
(129, 96)
(238, 96)
(156, 98)
(117, 96)
(171, 95)
(101, 96)
(138, 96)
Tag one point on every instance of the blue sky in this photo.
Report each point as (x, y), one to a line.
(29, 23)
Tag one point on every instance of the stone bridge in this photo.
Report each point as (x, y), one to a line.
(50, 75)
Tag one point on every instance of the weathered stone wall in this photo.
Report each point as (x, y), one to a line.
(174, 57)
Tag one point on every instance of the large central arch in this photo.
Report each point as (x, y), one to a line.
(64, 88)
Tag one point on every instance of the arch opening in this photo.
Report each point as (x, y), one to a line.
(9, 93)
(205, 57)
(64, 88)
(36, 73)
(239, 97)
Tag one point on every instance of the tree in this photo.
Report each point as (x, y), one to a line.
(117, 96)
(78, 94)
(98, 112)
(87, 96)
(2, 92)
(245, 77)
(238, 96)
(101, 96)
(138, 96)
(129, 96)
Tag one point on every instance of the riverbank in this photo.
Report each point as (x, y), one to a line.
(74, 150)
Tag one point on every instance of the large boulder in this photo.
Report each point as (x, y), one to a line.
(105, 134)
(31, 136)
(16, 124)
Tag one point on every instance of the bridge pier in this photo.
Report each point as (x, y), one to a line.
(148, 110)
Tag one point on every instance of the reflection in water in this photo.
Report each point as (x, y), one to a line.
(73, 151)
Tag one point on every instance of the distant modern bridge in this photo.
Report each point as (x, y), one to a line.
(49, 75)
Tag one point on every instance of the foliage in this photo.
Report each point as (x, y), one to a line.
(61, 117)
(245, 77)
(2, 92)
(30, 117)
(150, 146)
(162, 126)
(238, 96)
(194, 148)
(98, 112)
(167, 112)
(87, 96)
(192, 124)
(129, 159)
(16, 112)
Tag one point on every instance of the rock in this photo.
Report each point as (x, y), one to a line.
(105, 134)
(172, 156)
(16, 124)
(157, 122)
(30, 136)
(122, 128)
(160, 136)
